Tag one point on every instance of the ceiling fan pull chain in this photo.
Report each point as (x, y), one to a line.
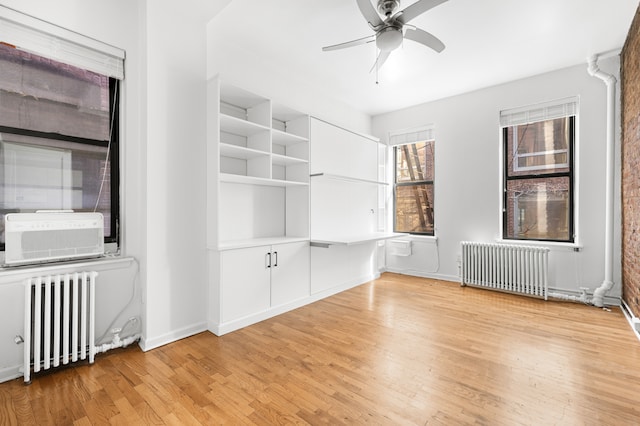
(377, 57)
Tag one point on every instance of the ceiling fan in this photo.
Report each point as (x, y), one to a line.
(390, 30)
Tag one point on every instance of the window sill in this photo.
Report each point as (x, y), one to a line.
(11, 274)
(553, 245)
(417, 237)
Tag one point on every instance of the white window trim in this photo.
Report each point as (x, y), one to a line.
(412, 135)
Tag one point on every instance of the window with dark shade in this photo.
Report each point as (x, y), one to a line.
(58, 138)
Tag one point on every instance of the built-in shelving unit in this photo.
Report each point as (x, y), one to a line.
(266, 207)
(258, 169)
(257, 207)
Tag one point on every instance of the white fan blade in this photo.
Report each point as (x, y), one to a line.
(416, 9)
(382, 58)
(363, 40)
(423, 37)
(369, 13)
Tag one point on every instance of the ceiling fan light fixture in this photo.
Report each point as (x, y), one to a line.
(389, 38)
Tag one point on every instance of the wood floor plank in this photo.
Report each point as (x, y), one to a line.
(397, 350)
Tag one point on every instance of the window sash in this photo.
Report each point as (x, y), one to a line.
(419, 218)
(563, 171)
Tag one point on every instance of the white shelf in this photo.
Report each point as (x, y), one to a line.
(283, 138)
(257, 242)
(347, 178)
(348, 240)
(237, 126)
(283, 160)
(240, 152)
(252, 180)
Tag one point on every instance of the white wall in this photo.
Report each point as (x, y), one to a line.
(252, 70)
(175, 267)
(468, 181)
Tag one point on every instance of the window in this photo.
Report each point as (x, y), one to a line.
(59, 145)
(413, 186)
(538, 174)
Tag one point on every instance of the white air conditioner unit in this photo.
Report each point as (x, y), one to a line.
(41, 237)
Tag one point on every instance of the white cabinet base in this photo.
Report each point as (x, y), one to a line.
(255, 283)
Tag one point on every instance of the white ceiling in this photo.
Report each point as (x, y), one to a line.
(487, 42)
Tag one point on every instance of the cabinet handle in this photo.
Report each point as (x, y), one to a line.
(267, 260)
(275, 262)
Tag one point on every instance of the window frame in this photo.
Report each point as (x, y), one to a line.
(570, 174)
(427, 182)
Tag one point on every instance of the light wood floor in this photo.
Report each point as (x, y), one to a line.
(398, 350)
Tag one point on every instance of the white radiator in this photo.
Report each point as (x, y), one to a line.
(59, 321)
(505, 267)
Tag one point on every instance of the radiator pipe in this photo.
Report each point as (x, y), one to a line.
(610, 81)
(117, 343)
(583, 298)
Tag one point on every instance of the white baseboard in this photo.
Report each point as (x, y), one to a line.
(10, 373)
(146, 344)
(229, 326)
(421, 274)
(634, 321)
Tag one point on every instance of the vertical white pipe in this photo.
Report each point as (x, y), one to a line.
(65, 320)
(56, 322)
(37, 330)
(610, 81)
(545, 262)
(74, 318)
(27, 331)
(83, 316)
(46, 334)
(92, 317)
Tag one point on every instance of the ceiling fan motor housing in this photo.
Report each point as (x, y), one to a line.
(387, 7)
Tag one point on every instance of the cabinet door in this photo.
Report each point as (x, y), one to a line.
(245, 278)
(290, 277)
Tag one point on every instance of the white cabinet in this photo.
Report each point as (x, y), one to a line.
(348, 190)
(256, 279)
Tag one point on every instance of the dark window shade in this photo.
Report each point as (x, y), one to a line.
(43, 95)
